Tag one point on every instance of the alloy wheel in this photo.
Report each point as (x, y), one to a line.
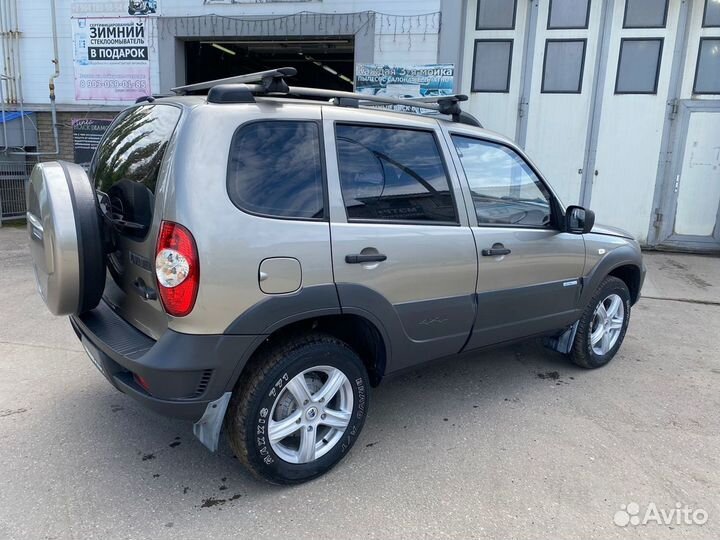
(607, 324)
(310, 414)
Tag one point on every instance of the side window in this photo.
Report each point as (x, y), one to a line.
(390, 174)
(505, 190)
(275, 170)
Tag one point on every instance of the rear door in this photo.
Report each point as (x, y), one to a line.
(127, 169)
(403, 254)
(529, 272)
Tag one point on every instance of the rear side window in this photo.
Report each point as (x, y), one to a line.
(275, 170)
(125, 166)
(390, 174)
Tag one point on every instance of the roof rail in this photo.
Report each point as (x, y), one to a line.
(273, 80)
(243, 88)
(447, 104)
(151, 98)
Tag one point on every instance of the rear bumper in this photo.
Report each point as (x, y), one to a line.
(182, 372)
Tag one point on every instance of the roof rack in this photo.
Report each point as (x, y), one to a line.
(241, 89)
(151, 99)
(272, 80)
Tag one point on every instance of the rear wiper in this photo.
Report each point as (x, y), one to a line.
(116, 219)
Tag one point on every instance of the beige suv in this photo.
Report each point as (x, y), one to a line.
(261, 256)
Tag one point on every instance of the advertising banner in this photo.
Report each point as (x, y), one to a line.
(111, 58)
(87, 133)
(405, 81)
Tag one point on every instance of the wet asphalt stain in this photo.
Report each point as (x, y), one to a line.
(676, 264)
(10, 412)
(116, 408)
(213, 501)
(148, 457)
(682, 271)
(370, 445)
(553, 376)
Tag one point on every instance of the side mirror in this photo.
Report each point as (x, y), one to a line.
(579, 220)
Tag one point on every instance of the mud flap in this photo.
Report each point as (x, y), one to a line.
(207, 429)
(564, 342)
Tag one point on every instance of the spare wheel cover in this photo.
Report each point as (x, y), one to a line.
(65, 238)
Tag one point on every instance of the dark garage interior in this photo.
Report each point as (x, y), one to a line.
(321, 62)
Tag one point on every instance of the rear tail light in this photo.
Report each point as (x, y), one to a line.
(177, 268)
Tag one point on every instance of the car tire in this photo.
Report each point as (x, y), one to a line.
(603, 325)
(278, 420)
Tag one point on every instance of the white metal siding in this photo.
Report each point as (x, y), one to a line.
(628, 176)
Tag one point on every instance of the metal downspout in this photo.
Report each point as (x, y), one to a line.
(18, 78)
(51, 86)
(13, 63)
(4, 38)
(2, 108)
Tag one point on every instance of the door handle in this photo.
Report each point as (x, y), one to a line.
(497, 249)
(360, 258)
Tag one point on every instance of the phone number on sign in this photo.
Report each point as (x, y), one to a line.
(130, 84)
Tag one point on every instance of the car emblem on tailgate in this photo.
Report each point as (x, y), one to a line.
(139, 260)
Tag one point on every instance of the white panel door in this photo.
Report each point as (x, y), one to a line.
(698, 182)
(563, 79)
(691, 202)
(634, 98)
(494, 42)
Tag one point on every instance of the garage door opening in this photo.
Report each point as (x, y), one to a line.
(321, 62)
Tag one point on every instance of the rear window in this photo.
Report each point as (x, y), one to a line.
(275, 170)
(125, 166)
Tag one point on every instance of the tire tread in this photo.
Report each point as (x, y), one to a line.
(248, 388)
(579, 353)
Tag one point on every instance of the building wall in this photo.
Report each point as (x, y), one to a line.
(394, 41)
(46, 140)
(617, 152)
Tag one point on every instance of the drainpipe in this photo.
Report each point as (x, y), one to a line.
(18, 78)
(5, 38)
(3, 78)
(51, 86)
(13, 61)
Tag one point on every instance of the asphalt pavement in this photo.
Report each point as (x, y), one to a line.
(512, 442)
